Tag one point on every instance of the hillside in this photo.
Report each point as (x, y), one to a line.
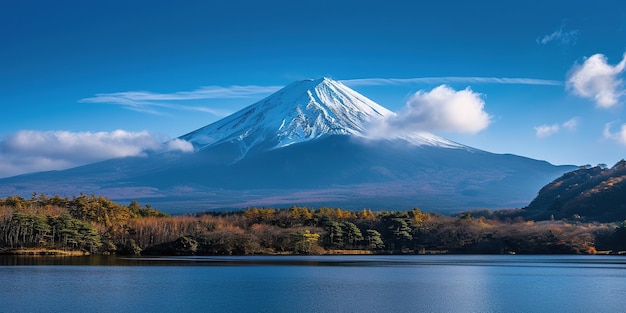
(588, 193)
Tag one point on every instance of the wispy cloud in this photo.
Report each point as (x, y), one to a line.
(30, 151)
(451, 79)
(596, 79)
(151, 102)
(618, 136)
(571, 124)
(441, 109)
(559, 36)
(545, 130)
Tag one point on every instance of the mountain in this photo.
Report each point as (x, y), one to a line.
(307, 144)
(589, 193)
(303, 111)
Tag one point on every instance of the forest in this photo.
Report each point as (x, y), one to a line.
(96, 225)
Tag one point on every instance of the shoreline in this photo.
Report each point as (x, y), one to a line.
(74, 253)
(43, 252)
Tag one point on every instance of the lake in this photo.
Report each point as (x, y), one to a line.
(417, 283)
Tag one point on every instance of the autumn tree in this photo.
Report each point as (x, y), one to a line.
(305, 242)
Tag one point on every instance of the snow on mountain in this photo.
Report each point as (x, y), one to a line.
(302, 111)
(426, 138)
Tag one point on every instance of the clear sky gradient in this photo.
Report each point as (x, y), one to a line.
(86, 80)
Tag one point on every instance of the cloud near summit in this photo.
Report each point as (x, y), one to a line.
(441, 109)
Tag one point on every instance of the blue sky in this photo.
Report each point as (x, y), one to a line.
(89, 80)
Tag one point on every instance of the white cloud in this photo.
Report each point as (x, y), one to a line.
(549, 130)
(441, 109)
(449, 80)
(546, 130)
(179, 145)
(560, 36)
(596, 79)
(571, 124)
(30, 151)
(619, 136)
(150, 102)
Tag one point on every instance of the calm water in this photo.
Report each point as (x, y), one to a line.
(449, 283)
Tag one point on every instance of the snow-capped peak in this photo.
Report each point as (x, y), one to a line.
(302, 111)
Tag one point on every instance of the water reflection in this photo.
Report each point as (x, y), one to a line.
(570, 261)
(445, 283)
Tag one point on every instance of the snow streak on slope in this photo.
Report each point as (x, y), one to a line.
(302, 111)
(426, 138)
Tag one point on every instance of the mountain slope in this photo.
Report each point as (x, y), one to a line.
(302, 111)
(306, 144)
(595, 194)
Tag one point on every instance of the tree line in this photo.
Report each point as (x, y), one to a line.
(98, 225)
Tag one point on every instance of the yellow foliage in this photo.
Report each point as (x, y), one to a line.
(366, 214)
(418, 216)
(309, 236)
(256, 214)
(300, 213)
(344, 214)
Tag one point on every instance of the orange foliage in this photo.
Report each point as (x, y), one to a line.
(366, 214)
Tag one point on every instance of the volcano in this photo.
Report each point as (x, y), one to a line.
(306, 144)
